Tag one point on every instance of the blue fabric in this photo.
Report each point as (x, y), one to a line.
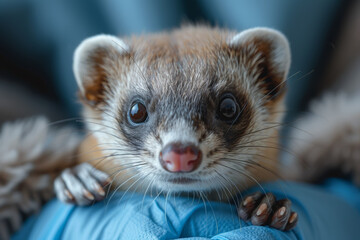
(327, 212)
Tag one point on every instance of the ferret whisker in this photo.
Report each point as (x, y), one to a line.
(109, 185)
(253, 164)
(261, 158)
(104, 127)
(123, 166)
(103, 158)
(224, 187)
(205, 199)
(283, 82)
(248, 176)
(235, 200)
(142, 181)
(276, 137)
(114, 129)
(159, 193)
(113, 117)
(128, 188)
(237, 190)
(293, 75)
(95, 149)
(102, 131)
(260, 130)
(165, 210)
(124, 151)
(216, 222)
(116, 146)
(134, 163)
(100, 124)
(122, 184)
(269, 147)
(216, 190)
(259, 146)
(249, 135)
(231, 183)
(289, 124)
(146, 190)
(262, 140)
(64, 121)
(91, 118)
(114, 175)
(105, 163)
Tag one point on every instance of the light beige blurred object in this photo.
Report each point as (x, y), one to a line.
(327, 139)
(32, 155)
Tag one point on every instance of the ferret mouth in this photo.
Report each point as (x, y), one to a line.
(182, 180)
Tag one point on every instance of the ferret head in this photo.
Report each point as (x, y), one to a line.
(191, 110)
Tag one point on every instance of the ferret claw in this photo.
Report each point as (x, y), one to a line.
(263, 209)
(81, 185)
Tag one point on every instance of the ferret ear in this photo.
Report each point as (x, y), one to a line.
(92, 59)
(267, 54)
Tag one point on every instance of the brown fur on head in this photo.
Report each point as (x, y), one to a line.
(181, 77)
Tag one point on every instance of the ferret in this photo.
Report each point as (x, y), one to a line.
(194, 110)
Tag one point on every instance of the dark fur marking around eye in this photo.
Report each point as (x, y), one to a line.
(233, 132)
(134, 134)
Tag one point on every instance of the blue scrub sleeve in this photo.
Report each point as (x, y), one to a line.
(322, 215)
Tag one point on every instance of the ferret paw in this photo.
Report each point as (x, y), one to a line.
(264, 209)
(81, 185)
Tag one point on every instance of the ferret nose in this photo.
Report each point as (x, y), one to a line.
(180, 157)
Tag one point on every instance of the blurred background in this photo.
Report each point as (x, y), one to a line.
(38, 38)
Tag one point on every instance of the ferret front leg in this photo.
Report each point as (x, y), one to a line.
(264, 209)
(81, 185)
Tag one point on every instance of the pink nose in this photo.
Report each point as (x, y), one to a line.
(180, 157)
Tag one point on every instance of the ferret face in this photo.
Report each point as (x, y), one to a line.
(187, 111)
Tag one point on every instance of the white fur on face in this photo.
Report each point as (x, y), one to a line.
(180, 132)
(242, 71)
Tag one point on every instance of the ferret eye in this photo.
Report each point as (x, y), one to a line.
(138, 113)
(228, 108)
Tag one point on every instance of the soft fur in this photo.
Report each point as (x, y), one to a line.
(181, 76)
(32, 154)
(327, 140)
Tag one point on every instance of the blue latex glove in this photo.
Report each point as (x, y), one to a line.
(322, 215)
